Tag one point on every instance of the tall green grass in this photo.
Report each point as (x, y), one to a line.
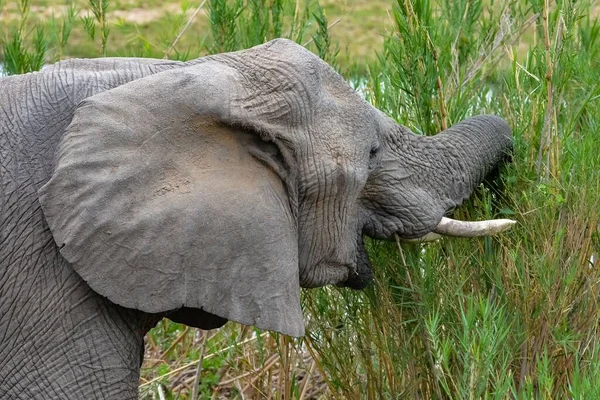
(18, 57)
(515, 316)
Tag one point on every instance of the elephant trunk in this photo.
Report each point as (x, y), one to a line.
(420, 178)
(469, 151)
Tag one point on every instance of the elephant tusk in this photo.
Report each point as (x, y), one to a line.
(466, 229)
(430, 237)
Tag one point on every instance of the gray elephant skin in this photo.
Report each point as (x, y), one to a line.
(204, 191)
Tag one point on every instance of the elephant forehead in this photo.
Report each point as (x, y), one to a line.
(344, 138)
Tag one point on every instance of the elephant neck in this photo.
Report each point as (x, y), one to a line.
(64, 341)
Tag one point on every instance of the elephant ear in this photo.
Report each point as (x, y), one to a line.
(177, 191)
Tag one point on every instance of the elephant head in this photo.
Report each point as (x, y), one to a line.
(226, 184)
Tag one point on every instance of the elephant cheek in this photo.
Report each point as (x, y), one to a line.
(363, 275)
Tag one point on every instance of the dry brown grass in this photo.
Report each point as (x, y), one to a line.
(238, 362)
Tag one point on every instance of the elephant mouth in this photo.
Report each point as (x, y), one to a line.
(361, 275)
(355, 274)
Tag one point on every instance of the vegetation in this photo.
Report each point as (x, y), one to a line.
(148, 28)
(515, 316)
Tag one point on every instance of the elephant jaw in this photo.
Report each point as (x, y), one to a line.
(354, 272)
(361, 275)
(465, 229)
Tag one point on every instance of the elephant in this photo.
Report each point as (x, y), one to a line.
(204, 191)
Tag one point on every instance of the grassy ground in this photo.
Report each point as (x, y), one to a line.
(515, 316)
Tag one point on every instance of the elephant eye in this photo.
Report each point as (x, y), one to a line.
(373, 152)
(373, 155)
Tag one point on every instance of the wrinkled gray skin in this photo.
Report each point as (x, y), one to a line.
(134, 189)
